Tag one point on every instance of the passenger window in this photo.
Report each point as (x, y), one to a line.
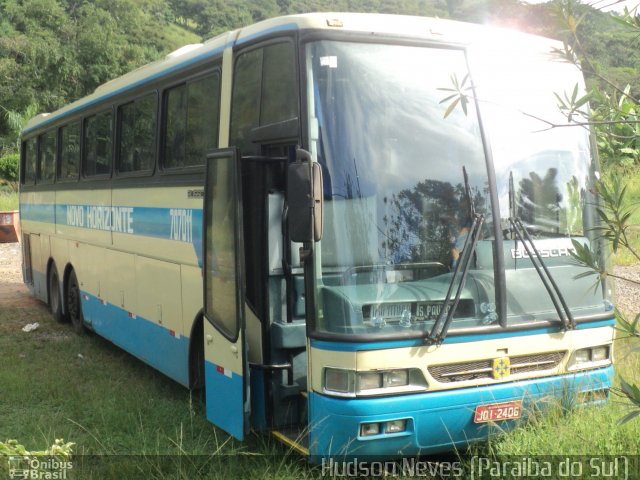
(279, 98)
(47, 157)
(137, 127)
(69, 152)
(191, 128)
(30, 154)
(264, 91)
(246, 98)
(97, 144)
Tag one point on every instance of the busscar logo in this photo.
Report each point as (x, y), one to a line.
(544, 252)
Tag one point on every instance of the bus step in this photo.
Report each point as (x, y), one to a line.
(296, 438)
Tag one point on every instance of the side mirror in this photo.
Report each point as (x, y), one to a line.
(304, 199)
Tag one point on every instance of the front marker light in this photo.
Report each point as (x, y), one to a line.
(340, 381)
(369, 429)
(395, 426)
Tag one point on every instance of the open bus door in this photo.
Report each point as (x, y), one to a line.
(226, 373)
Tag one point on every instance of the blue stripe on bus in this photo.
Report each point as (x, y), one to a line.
(435, 420)
(150, 342)
(224, 391)
(38, 212)
(178, 224)
(337, 346)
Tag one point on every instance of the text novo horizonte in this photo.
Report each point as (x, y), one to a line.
(99, 217)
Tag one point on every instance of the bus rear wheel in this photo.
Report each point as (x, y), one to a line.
(55, 303)
(74, 304)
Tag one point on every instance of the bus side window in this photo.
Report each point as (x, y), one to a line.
(47, 157)
(69, 152)
(97, 144)
(137, 139)
(29, 162)
(191, 127)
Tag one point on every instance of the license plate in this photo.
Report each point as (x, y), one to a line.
(496, 412)
(430, 311)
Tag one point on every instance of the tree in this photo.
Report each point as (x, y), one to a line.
(16, 121)
(617, 123)
(9, 169)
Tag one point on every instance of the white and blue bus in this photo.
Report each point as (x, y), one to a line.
(296, 217)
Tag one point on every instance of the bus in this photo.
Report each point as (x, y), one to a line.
(353, 231)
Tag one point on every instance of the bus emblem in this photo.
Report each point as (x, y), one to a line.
(501, 368)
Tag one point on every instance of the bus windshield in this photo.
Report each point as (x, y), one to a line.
(398, 207)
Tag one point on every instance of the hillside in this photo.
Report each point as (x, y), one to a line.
(55, 51)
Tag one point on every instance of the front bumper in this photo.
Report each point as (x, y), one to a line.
(435, 422)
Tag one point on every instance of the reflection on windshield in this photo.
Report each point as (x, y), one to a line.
(396, 209)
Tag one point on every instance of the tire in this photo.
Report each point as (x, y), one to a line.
(74, 304)
(55, 298)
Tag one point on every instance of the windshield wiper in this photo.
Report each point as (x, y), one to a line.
(549, 283)
(441, 326)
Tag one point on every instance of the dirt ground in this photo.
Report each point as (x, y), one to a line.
(17, 305)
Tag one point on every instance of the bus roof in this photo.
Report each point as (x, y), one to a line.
(433, 29)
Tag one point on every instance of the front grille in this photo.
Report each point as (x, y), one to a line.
(460, 372)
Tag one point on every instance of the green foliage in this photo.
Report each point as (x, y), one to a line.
(59, 449)
(56, 51)
(615, 213)
(617, 117)
(9, 167)
(15, 122)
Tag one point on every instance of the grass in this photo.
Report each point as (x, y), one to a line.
(129, 421)
(8, 200)
(83, 389)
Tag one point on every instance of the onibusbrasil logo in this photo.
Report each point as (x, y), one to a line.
(38, 468)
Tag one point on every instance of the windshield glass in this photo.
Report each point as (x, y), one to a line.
(396, 208)
(544, 176)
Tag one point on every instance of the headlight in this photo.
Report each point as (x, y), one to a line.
(348, 383)
(599, 353)
(592, 357)
(369, 380)
(396, 378)
(583, 356)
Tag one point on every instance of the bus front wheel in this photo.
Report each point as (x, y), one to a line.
(74, 304)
